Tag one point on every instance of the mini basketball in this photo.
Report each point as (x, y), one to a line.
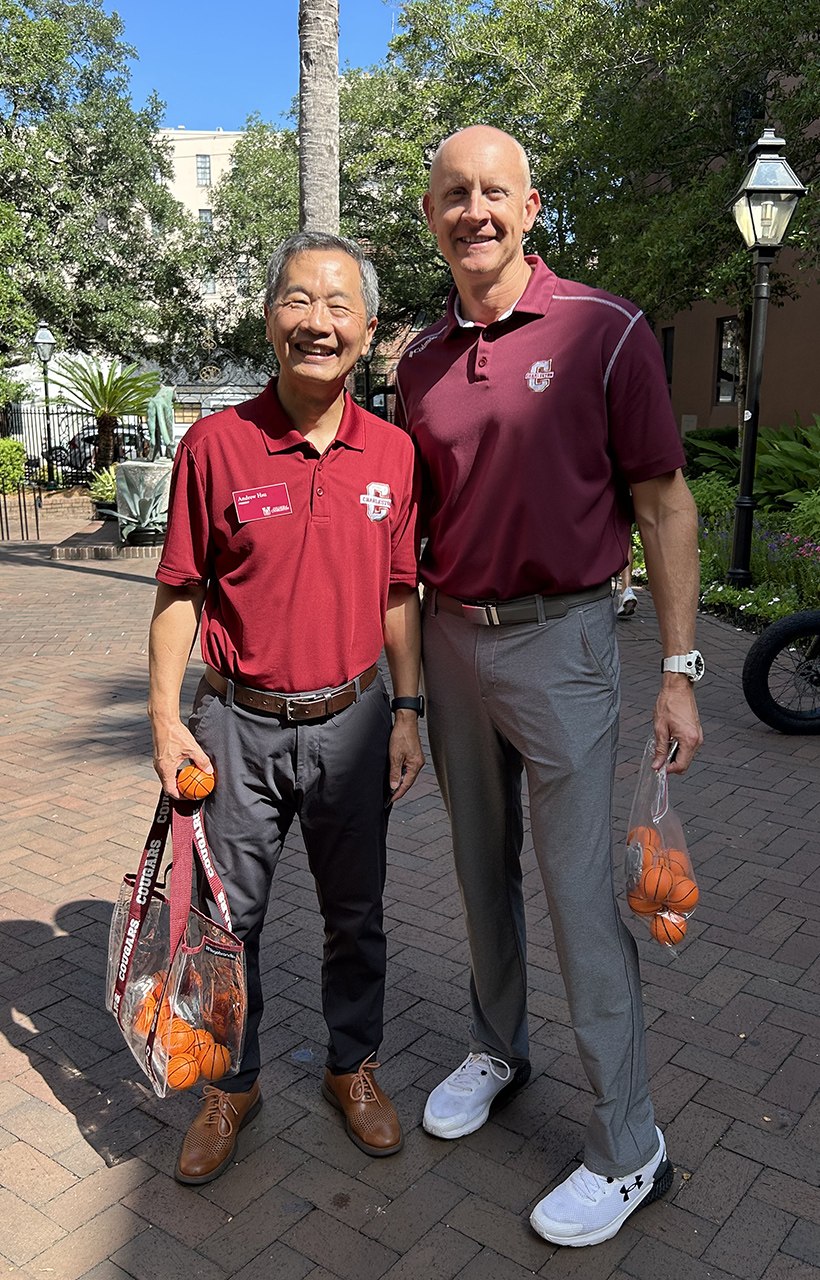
(683, 896)
(214, 1062)
(201, 1041)
(181, 1038)
(145, 1015)
(159, 984)
(194, 783)
(677, 862)
(649, 837)
(182, 1072)
(642, 906)
(668, 929)
(656, 883)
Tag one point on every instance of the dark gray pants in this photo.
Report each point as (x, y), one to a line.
(543, 697)
(332, 774)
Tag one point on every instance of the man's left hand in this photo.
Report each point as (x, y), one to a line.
(676, 719)
(406, 755)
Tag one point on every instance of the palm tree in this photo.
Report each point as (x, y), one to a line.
(122, 390)
(319, 115)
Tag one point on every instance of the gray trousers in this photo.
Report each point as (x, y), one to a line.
(543, 697)
(332, 774)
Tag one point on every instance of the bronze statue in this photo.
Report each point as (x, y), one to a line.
(161, 424)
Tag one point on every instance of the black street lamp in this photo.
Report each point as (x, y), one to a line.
(763, 206)
(44, 344)
(366, 361)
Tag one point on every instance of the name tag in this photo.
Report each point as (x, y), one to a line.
(261, 504)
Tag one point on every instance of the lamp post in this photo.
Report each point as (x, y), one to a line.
(44, 344)
(366, 361)
(763, 206)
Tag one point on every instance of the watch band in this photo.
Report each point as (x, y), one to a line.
(689, 664)
(409, 704)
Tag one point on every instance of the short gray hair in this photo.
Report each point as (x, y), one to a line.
(310, 242)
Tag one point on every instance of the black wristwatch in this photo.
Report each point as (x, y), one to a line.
(409, 704)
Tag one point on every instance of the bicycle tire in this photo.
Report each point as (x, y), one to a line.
(781, 674)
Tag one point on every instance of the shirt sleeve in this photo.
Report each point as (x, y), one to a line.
(643, 433)
(185, 552)
(404, 542)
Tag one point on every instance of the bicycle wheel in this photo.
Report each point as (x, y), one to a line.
(781, 674)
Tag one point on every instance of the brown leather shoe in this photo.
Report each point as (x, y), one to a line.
(210, 1141)
(370, 1117)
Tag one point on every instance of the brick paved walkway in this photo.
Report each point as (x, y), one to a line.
(86, 1152)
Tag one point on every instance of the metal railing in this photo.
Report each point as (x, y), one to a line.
(27, 496)
(71, 455)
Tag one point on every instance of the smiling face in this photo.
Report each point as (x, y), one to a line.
(318, 321)
(480, 203)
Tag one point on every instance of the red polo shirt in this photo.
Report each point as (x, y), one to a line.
(531, 430)
(297, 549)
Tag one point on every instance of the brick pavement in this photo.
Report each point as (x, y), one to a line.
(86, 1152)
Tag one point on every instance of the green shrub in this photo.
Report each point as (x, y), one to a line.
(804, 519)
(698, 461)
(12, 464)
(788, 463)
(714, 496)
(103, 487)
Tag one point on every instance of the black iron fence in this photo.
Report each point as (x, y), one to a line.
(20, 512)
(61, 447)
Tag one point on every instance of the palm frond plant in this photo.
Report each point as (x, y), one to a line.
(122, 390)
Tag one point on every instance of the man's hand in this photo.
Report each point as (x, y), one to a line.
(173, 745)
(406, 755)
(676, 718)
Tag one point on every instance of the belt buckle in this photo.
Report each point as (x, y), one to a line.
(307, 703)
(484, 615)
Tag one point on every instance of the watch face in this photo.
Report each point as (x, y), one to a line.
(699, 664)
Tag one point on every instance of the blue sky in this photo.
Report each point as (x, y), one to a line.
(214, 63)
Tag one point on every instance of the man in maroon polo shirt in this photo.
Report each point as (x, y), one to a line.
(292, 530)
(536, 406)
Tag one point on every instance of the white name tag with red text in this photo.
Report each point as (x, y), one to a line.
(262, 503)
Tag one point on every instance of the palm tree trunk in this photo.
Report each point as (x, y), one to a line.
(106, 425)
(319, 115)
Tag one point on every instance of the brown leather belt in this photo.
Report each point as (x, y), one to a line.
(506, 613)
(295, 706)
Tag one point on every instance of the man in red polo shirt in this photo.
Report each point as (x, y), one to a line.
(292, 530)
(536, 404)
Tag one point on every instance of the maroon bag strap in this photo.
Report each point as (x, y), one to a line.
(189, 834)
(144, 885)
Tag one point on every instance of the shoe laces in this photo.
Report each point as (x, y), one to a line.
(591, 1186)
(217, 1106)
(476, 1065)
(362, 1087)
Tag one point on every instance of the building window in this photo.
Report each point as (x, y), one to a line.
(185, 414)
(209, 284)
(728, 365)
(203, 171)
(206, 223)
(668, 344)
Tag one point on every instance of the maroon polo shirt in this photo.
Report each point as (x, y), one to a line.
(531, 430)
(297, 549)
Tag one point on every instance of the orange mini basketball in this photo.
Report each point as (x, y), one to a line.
(183, 1071)
(649, 837)
(202, 1039)
(656, 883)
(677, 862)
(642, 906)
(668, 928)
(145, 1015)
(181, 1038)
(683, 896)
(214, 1062)
(194, 783)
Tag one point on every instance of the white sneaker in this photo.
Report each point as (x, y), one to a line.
(588, 1208)
(627, 603)
(462, 1102)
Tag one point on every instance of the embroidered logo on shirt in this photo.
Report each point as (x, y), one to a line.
(377, 500)
(540, 375)
(425, 342)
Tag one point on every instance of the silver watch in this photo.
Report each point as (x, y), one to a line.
(686, 664)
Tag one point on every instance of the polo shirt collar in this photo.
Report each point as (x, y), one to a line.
(534, 301)
(279, 433)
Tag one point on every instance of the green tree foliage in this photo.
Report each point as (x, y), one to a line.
(12, 464)
(101, 250)
(108, 395)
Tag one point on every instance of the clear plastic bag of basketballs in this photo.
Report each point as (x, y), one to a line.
(176, 978)
(661, 888)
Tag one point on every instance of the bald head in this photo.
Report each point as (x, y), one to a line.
(481, 139)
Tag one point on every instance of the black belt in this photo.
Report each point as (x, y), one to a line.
(505, 613)
(295, 706)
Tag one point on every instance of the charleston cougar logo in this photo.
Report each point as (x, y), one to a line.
(540, 375)
(377, 500)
